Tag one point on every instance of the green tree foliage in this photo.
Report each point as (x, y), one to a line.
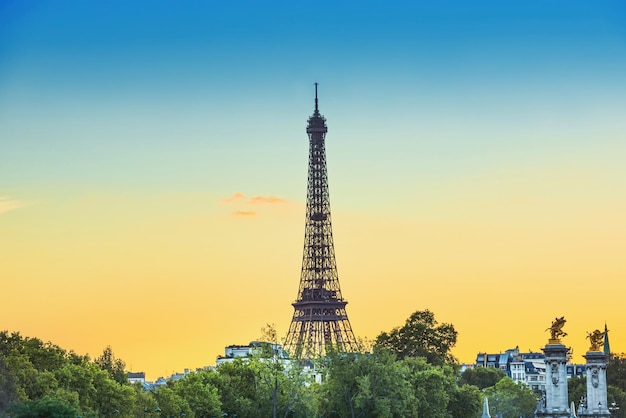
(7, 385)
(45, 407)
(430, 386)
(113, 366)
(171, 404)
(465, 401)
(144, 402)
(511, 399)
(366, 385)
(41, 379)
(110, 396)
(421, 336)
(616, 382)
(236, 385)
(576, 389)
(481, 377)
(281, 382)
(36, 375)
(380, 385)
(80, 378)
(25, 372)
(617, 396)
(616, 371)
(199, 394)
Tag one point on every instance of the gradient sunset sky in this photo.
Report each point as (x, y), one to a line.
(153, 164)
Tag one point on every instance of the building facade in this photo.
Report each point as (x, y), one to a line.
(528, 368)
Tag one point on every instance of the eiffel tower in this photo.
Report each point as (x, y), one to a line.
(319, 319)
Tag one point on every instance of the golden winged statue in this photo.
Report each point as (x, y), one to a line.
(556, 329)
(596, 339)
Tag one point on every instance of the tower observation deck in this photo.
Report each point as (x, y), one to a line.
(319, 319)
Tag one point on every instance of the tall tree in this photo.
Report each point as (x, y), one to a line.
(511, 399)
(616, 371)
(37, 376)
(430, 387)
(481, 377)
(465, 401)
(171, 404)
(7, 385)
(421, 336)
(367, 385)
(46, 407)
(616, 383)
(201, 396)
(616, 399)
(576, 389)
(236, 385)
(281, 381)
(110, 396)
(113, 366)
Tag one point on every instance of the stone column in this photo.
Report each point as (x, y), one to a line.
(555, 403)
(596, 405)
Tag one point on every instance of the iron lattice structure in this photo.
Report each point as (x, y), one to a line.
(319, 319)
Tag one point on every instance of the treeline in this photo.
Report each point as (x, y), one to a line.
(408, 372)
(40, 379)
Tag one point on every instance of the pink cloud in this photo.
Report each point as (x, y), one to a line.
(236, 197)
(239, 200)
(253, 200)
(244, 213)
(265, 200)
(7, 204)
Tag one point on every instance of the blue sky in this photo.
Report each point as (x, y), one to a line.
(126, 82)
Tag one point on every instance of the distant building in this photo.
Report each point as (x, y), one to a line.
(534, 371)
(233, 352)
(245, 351)
(500, 361)
(528, 368)
(136, 377)
(178, 376)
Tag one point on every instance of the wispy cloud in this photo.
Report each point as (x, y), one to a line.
(244, 213)
(236, 197)
(254, 200)
(240, 200)
(7, 204)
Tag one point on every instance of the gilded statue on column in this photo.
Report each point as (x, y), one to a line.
(596, 340)
(556, 330)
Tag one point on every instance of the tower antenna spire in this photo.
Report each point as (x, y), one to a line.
(317, 110)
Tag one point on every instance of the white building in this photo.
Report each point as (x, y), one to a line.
(233, 352)
(245, 351)
(528, 368)
(136, 377)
